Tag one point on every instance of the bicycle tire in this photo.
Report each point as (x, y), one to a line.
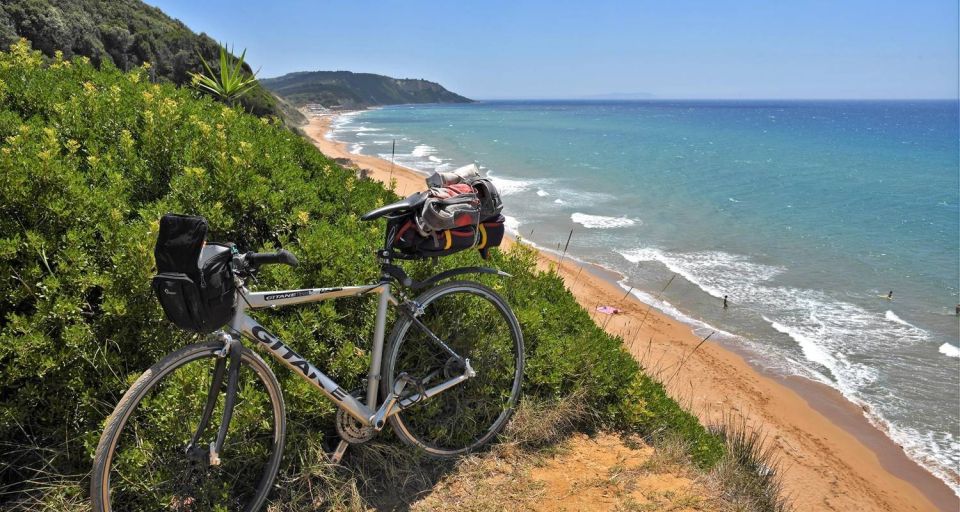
(423, 425)
(150, 380)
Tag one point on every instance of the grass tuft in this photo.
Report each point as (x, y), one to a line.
(538, 422)
(749, 474)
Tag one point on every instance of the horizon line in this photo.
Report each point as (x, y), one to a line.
(584, 98)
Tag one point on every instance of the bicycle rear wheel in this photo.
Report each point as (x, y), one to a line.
(142, 463)
(478, 325)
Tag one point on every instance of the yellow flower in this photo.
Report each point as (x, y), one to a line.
(89, 87)
(24, 55)
(168, 106)
(303, 216)
(126, 140)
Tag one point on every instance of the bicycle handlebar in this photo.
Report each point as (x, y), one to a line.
(255, 259)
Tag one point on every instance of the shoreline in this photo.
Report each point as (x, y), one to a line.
(834, 458)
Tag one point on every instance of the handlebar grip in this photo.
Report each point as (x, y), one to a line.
(268, 258)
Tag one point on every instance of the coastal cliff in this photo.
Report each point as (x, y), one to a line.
(345, 89)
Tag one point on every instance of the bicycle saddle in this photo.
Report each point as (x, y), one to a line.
(410, 203)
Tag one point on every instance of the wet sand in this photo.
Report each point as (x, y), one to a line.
(832, 457)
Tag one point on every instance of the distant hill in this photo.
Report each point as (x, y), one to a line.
(345, 89)
(124, 33)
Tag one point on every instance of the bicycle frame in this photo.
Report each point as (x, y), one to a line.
(365, 413)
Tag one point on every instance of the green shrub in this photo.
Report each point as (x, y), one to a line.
(90, 159)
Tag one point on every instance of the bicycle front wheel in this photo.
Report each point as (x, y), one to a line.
(143, 461)
(478, 325)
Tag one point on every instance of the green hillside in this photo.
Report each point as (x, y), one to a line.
(122, 33)
(345, 89)
(92, 158)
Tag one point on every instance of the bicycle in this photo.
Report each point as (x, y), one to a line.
(446, 379)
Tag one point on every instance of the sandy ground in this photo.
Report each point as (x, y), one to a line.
(833, 458)
(604, 472)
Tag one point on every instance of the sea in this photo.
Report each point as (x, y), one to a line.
(806, 215)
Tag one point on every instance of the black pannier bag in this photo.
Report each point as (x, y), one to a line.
(194, 281)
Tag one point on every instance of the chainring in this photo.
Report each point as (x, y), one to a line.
(350, 429)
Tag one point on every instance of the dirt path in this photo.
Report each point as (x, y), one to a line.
(605, 472)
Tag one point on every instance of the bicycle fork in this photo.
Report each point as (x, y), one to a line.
(231, 350)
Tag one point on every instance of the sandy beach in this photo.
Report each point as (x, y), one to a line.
(833, 458)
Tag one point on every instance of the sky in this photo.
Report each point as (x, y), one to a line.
(743, 49)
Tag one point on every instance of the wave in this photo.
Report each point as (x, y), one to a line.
(699, 327)
(423, 150)
(600, 221)
(512, 224)
(891, 316)
(510, 186)
(810, 347)
(713, 272)
(949, 350)
(542, 193)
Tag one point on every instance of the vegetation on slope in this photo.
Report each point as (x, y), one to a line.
(122, 33)
(344, 89)
(90, 161)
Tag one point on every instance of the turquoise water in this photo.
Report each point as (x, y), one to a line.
(803, 213)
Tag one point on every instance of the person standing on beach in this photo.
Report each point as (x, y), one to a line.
(724, 302)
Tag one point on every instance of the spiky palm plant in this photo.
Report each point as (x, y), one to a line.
(231, 82)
